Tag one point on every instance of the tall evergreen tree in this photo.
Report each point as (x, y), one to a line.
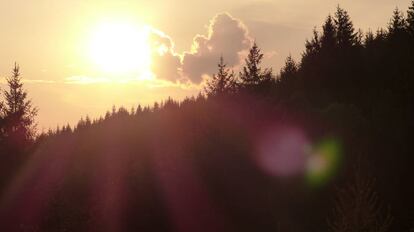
(252, 74)
(410, 19)
(358, 207)
(328, 39)
(397, 24)
(381, 35)
(287, 77)
(312, 48)
(369, 38)
(221, 83)
(18, 111)
(346, 35)
(289, 70)
(139, 110)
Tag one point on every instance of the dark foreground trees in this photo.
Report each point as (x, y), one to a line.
(17, 126)
(358, 207)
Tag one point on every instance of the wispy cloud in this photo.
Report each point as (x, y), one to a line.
(84, 80)
(3, 81)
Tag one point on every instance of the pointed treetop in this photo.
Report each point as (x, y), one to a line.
(18, 108)
(221, 83)
(397, 23)
(252, 73)
(328, 39)
(289, 69)
(369, 38)
(312, 46)
(345, 29)
(410, 18)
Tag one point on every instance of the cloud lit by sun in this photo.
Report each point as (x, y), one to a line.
(125, 50)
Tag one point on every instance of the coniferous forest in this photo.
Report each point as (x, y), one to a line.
(322, 145)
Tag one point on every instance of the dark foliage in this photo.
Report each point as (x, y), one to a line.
(222, 83)
(17, 126)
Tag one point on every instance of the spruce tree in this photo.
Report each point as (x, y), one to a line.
(252, 74)
(397, 24)
(19, 114)
(312, 49)
(328, 39)
(345, 31)
(287, 77)
(289, 70)
(358, 207)
(221, 83)
(139, 110)
(369, 38)
(410, 19)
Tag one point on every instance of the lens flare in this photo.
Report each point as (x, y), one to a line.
(282, 152)
(285, 152)
(323, 162)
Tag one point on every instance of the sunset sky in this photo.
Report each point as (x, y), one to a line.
(79, 58)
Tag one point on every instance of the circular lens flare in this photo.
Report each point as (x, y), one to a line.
(282, 152)
(323, 162)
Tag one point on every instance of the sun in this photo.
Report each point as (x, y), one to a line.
(120, 47)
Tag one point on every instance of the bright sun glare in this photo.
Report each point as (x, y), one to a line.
(121, 47)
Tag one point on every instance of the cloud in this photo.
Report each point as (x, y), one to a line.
(166, 63)
(227, 36)
(86, 80)
(3, 81)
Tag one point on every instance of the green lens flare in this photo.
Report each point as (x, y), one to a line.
(323, 162)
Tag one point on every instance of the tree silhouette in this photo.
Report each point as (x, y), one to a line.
(139, 110)
(397, 24)
(410, 19)
(328, 38)
(312, 46)
(358, 207)
(252, 74)
(2, 124)
(345, 31)
(19, 114)
(287, 78)
(369, 38)
(221, 83)
(289, 70)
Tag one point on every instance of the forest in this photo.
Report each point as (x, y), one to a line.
(321, 145)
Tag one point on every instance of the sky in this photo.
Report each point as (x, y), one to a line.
(80, 58)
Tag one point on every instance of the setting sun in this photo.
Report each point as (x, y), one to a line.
(120, 47)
